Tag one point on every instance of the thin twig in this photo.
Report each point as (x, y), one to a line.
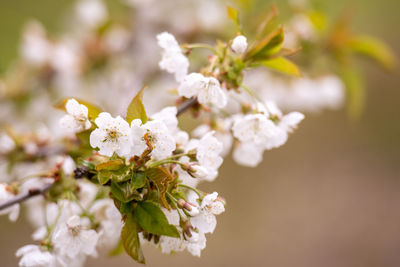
(39, 191)
(186, 105)
(22, 197)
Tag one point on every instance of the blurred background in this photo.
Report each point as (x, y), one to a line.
(330, 197)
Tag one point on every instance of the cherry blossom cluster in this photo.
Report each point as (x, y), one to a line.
(123, 173)
(148, 165)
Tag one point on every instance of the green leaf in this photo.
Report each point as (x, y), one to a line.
(103, 178)
(130, 239)
(84, 137)
(355, 92)
(233, 14)
(272, 14)
(124, 192)
(138, 180)
(283, 65)
(161, 177)
(151, 218)
(117, 250)
(374, 49)
(111, 165)
(115, 170)
(93, 110)
(318, 19)
(136, 109)
(267, 47)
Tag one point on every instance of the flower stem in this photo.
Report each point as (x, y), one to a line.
(186, 105)
(199, 45)
(252, 93)
(193, 189)
(164, 161)
(174, 201)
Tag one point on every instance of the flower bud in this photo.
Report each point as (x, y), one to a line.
(194, 211)
(191, 209)
(194, 238)
(199, 171)
(239, 44)
(181, 203)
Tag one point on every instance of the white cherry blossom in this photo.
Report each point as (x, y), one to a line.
(208, 150)
(157, 134)
(138, 143)
(173, 61)
(6, 143)
(207, 89)
(181, 138)
(35, 256)
(6, 195)
(168, 117)
(290, 121)
(248, 154)
(205, 221)
(169, 245)
(110, 220)
(91, 12)
(255, 128)
(222, 129)
(196, 243)
(73, 239)
(35, 47)
(77, 118)
(113, 135)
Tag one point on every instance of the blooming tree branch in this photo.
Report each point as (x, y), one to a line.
(186, 105)
(39, 191)
(123, 181)
(25, 196)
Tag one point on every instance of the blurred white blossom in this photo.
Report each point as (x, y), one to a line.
(77, 118)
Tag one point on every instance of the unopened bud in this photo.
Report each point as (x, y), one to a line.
(239, 44)
(181, 203)
(193, 211)
(199, 171)
(186, 227)
(194, 237)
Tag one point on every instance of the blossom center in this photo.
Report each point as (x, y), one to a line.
(75, 230)
(112, 135)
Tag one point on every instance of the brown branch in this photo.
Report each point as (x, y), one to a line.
(37, 191)
(22, 197)
(186, 105)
